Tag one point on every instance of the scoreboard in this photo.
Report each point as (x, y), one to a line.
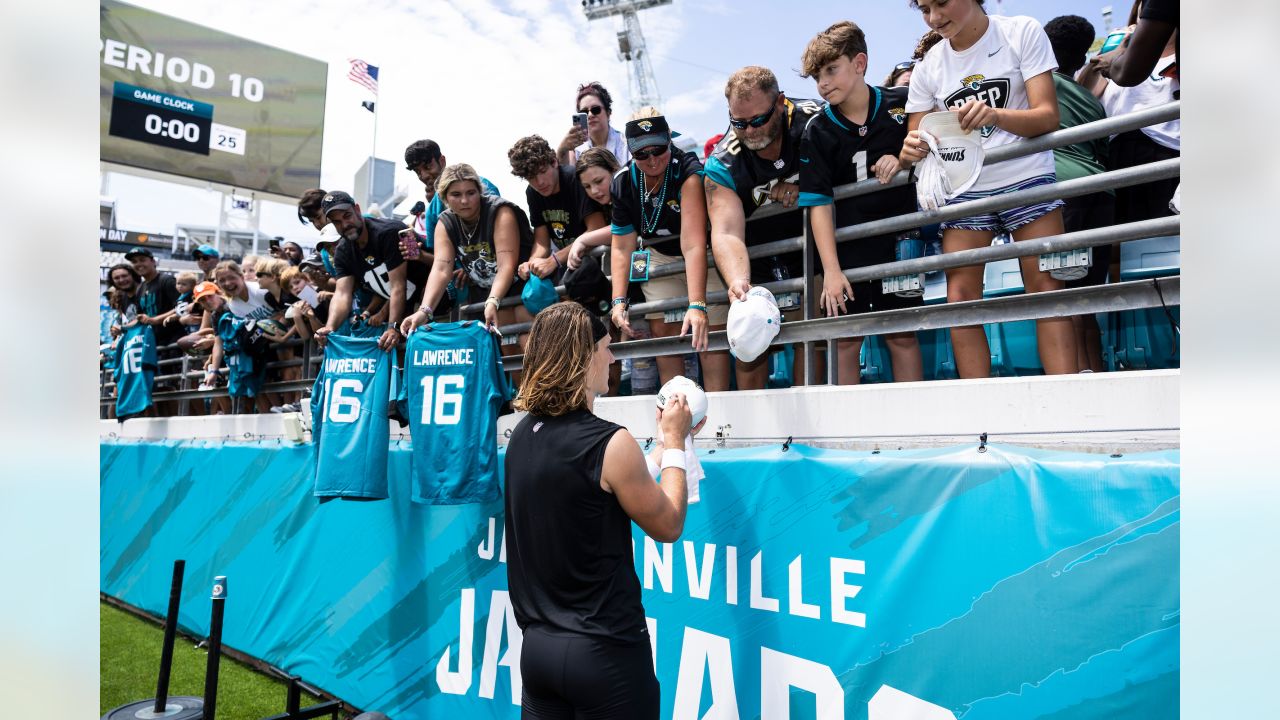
(183, 99)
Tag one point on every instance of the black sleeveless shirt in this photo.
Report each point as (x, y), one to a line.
(569, 561)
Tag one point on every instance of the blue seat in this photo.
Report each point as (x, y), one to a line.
(1145, 339)
(1013, 344)
(1150, 257)
(874, 359)
(780, 364)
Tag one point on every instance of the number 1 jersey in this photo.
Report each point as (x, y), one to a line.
(453, 385)
(349, 419)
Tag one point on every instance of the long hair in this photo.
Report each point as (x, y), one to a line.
(556, 359)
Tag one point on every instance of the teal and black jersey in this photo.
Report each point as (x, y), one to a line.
(659, 217)
(349, 425)
(454, 385)
(135, 369)
(750, 176)
(244, 350)
(835, 151)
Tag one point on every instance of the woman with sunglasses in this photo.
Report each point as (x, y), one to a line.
(656, 197)
(900, 75)
(595, 102)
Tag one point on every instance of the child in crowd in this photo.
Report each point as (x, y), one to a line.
(186, 313)
(996, 74)
(856, 136)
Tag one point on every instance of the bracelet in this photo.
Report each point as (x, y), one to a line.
(553, 257)
(619, 301)
(673, 457)
(426, 309)
(695, 305)
(493, 300)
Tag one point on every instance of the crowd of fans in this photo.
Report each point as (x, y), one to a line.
(634, 191)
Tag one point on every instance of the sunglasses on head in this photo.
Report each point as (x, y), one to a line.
(594, 109)
(646, 153)
(755, 122)
(905, 65)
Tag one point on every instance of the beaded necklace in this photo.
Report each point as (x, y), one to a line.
(649, 224)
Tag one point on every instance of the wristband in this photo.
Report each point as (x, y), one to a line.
(695, 305)
(426, 309)
(493, 300)
(619, 301)
(673, 457)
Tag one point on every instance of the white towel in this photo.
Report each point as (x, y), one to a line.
(693, 472)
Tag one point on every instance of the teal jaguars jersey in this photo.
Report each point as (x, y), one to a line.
(453, 386)
(349, 424)
(243, 351)
(135, 369)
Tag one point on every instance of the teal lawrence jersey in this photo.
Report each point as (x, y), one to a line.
(244, 352)
(135, 369)
(349, 419)
(453, 386)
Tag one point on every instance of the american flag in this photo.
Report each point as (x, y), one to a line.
(362, 73)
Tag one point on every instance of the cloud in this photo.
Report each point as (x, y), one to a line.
(705, 98)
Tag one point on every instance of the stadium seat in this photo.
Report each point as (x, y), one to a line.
(874, 360)
(1146, 339)
(1150, 257)
(780, 364)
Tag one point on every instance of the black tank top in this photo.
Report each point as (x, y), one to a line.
(569, 562)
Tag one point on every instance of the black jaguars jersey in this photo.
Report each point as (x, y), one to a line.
(627, 216)
(836, 151)
(752, 177)
(371, 265)
(564, 213)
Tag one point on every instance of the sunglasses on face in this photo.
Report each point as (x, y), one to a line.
(594, 109)
(755, 122)
(646, 153)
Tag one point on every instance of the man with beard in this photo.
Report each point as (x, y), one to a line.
(756, 164)
(369, 257)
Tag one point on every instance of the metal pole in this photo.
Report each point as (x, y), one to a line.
(373, 151)
(219, 598)
(170, 630)
(809, 296)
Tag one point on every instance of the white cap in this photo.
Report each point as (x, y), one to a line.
(754, 322)
(328, 234)
(694, 395)
(960, 150)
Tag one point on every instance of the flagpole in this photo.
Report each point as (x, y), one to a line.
(373, 152)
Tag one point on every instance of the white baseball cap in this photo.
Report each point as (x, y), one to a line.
(754, 322)
(328, 234)
(693, 394)
(960, 150)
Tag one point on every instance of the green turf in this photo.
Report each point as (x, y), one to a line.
(130, 660)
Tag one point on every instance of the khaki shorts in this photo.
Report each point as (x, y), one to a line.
(672, 286)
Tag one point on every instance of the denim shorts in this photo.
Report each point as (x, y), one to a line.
(1005, 221)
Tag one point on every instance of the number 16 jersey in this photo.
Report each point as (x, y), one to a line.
(453, 387)
(349, 421)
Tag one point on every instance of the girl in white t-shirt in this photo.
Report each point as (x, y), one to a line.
(997, 74)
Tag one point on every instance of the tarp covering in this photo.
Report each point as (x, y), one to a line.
(1010, 583)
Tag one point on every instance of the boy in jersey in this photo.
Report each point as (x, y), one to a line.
(558, 206)
(369, 256)
(858, 133)
(752, 166)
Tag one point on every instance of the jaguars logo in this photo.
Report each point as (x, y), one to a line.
(973, 82)
(328, 198)
(898, 114)
(645, 125)
(674, 205)
(992, 91)
(368, 259)
(558, 229)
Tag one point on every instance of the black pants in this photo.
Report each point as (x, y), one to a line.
(1087, 212)
(578, 676)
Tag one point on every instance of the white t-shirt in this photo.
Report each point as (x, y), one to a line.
(255, 307)
(1152, 92)
(615, 144)
(995, 70)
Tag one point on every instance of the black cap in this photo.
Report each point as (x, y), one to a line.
(139, 251)
(647, 132)
(336, 200)
(587, 285)
(313, 261)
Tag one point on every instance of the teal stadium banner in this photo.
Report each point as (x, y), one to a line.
(926, 584)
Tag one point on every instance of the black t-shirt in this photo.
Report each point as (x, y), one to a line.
(744, 172)
(156, 297)
(372, 264)
(1163, 10)
(564, 213)
(836, 151)
(627, 213)
(569, 565)
(476, 252)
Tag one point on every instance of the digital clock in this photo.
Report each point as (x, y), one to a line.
(159, 118)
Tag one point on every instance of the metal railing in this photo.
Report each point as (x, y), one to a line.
(811, 330)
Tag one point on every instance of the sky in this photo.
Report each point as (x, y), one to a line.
(476, 75)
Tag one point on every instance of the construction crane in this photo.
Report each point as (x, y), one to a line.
(631, 48)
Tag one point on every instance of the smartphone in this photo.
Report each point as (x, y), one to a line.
(409, 246)
(580, 119)
(273, 245)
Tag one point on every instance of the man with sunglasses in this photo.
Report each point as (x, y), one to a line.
(756, 164)
(595, 102)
